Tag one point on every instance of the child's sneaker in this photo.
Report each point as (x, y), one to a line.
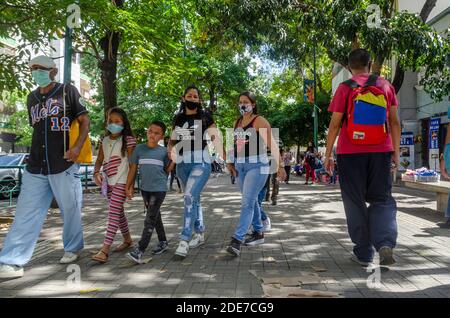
(161, 248)
(135, 256)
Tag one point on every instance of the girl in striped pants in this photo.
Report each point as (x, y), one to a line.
(114, 153)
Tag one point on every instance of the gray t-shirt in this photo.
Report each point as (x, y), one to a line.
(152, 162)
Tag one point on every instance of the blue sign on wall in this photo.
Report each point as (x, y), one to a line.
(407, 139)
(434, 133)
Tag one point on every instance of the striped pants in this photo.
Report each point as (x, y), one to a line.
(116, 216)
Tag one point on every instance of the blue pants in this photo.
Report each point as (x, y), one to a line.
(251, 179)
(34, 201)
(366, 177)
(193, 177)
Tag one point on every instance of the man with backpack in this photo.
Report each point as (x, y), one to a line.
(365, 112)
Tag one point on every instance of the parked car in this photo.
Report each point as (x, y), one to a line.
(9, 177)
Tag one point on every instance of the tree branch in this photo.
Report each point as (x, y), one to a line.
(11, 24)
(93, 45)
(426, 10)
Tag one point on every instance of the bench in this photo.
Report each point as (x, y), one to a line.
(442, 189)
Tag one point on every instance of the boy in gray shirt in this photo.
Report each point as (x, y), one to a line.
(154, 166)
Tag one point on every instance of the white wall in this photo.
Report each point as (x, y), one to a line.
(416, 5)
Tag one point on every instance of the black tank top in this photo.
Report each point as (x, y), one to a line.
(243, 138)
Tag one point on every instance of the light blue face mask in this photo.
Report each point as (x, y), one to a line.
(41, 77)
(114, 128)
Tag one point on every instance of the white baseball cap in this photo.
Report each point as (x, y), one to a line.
(42, 60)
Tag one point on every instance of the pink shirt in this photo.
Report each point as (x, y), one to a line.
(339, 105)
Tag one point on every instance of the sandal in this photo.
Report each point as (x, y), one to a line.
(99, 258)
(122, 247)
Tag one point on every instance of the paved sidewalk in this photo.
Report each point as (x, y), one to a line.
(308, 232)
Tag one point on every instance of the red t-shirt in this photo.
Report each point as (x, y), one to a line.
(339, 105)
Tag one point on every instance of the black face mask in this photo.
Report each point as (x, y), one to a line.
(191, 105)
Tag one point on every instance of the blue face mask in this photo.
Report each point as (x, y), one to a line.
(41, 77)
(114, 128)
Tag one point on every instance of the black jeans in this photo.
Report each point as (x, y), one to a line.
(153, 202)
(173, 176)
(366, 177)
(288, 173)
(272, 179)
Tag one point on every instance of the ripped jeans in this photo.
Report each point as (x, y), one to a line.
(193, 177)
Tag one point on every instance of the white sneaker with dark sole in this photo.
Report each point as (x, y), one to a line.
(254, 239)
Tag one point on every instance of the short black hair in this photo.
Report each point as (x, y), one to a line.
(160, 124)
(359, 59)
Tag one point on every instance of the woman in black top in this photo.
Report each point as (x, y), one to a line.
(252, 138)
(188, 148)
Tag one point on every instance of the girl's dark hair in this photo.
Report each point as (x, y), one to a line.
(252, 98)
(126, 127)
(311, 148)
(182, 109)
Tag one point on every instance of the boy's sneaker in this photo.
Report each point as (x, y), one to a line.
(182, 249)
(135, 255)
(68, 258)
(197, 240)
(386, 256)
(355, 259)
(10, 271)
(267, 225)
(234, 248)
(161, 248)
(254, 239)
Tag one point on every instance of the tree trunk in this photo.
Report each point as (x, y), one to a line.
(399, 72)
(378, 65)
(298, 152)
(108, 66)
(355, 42)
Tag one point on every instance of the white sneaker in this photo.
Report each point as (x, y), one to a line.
(182, 249)
(266, 225)
(10, 271)
(197, 240)
(68, 258)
